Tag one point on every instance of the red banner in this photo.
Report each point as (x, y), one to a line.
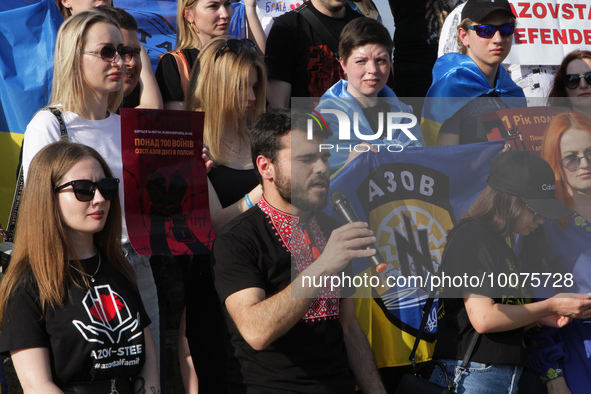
(165, 182)
(522, 128)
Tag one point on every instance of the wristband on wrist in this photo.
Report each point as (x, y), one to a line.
(247, 200)
(246, 5)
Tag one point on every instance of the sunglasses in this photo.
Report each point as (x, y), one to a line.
(236, 46)
(572, 81)
(108, 53)
(488, 31)
(536, 216)
(84, 188)
(573, 162)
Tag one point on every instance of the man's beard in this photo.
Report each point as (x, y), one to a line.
(298, 197)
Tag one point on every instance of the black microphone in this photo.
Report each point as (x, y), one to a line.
(341, 205)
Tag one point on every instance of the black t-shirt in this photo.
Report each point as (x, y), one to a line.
(418, 26)
(296, 54)
(466, 121)
(231, 184)
(372, 114)
(97, 335)
(476, 251)
(132, 100)
(168, 76)
(311, 357)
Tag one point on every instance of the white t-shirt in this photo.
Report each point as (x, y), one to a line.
(102, 135)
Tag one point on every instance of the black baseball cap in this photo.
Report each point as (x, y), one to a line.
(477, 10)
(529, 177)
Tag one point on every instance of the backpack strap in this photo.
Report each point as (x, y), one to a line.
(327, 36)
(184, 69)
(20, 180)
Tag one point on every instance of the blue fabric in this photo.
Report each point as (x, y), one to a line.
(480, 378)
(238, 21)
(27, 37)
(457, 76)
(337, 97)
(428, 186)
(567, 351)
(28, 31)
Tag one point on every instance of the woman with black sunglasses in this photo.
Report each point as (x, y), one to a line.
(468, 84)
(573, 80)
(560, 356)
(71, 316)
(87, 90)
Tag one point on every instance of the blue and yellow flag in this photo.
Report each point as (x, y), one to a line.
(411, 200)
(456, 81)
(28, 30)
(27, 34)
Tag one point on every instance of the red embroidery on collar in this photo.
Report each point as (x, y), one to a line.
(304, 250)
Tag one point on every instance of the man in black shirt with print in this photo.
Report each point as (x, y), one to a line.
(288, 335)
(302, 57)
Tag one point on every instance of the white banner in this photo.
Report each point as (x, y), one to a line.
(548, 30)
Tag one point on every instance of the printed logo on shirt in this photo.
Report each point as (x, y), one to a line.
(109, 317)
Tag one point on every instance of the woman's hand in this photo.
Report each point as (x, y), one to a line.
(573, 305)
(206, 157)
(555, 321)
(357, 151)
(557, 386)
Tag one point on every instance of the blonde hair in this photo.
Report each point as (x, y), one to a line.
(43, 250)
(220, 88)
(186, 36)
(68, 79)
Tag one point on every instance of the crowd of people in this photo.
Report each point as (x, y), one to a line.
(79, 307)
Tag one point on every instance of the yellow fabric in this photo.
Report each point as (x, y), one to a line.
(391, 346)
(430, 130)
(10, 145)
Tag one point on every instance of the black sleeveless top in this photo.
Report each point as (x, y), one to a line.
(231, 184)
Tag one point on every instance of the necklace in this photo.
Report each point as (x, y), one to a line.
(237, 153)
(95, 272)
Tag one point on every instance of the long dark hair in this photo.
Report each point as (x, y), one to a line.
(558, 89)
(43, 250)
(496, 211)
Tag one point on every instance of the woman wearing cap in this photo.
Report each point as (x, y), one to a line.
(519, 195)
(561, 355)
(573, 80)
(484, 36)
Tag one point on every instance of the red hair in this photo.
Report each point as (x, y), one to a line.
(551, 150)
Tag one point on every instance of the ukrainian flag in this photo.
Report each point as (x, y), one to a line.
(27, 35)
